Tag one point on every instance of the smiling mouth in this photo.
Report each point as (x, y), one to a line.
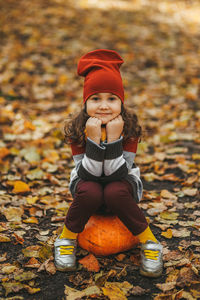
(103, 114)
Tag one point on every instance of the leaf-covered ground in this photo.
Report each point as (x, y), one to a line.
(41, 42)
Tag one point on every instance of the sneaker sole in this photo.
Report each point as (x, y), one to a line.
(66, 269)
(151, 274)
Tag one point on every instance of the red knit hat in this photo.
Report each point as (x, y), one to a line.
(101, 71)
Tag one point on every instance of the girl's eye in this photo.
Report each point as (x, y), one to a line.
(95, 98)
(112, 98)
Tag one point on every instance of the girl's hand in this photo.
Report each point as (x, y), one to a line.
(93, 128)
(114, 129)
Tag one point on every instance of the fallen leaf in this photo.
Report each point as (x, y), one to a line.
(31, 220)
(166, 215)
(167, 234)
(172, 276)
(90, 263)
(3, 257)
(4, 152)
(170, 177)
(190, 192)
(4, 238)
(186, 277)
(31, 251)
(173, 255)
(167, 286)
(120, 257)
(45, 252)
(19, 239)
(113, 292)
(9, 269)
(32, 200)
(181, 232)
(139, 291)
(13, 214)
(178, 263)
(31, 290)
(25, 276)
(166, 194)
(32, 263)
(73, 294)
(20, 187)
(12, 286)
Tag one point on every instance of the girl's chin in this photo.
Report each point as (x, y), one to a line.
(105, 120)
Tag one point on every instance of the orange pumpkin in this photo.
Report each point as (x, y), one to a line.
(105, 235)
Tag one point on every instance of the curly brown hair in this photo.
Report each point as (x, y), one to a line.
(74, 126)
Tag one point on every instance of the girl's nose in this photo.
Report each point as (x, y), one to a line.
(103, 104)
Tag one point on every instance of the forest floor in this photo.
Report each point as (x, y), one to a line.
(41, 42)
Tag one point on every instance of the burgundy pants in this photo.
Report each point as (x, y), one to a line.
(91, 197)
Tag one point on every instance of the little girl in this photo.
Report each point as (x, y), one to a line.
(103, 138)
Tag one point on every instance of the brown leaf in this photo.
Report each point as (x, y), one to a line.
(190, 192)
(91, 291)
(50, 267)
(135, 259)
(173, 255)
(3, 257)
(32, 263)
(120, 257)
(90, 263)
(167, 286)
(181, 232)
(19, 239)
(138, 291)
(166, 194)
(186, 276)
(13, 214)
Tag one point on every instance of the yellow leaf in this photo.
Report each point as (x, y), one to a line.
(167, 215)
(113, 291)
(31, 290)
(11, 287)
(31, 251)
(31, 220)
(45, 252)
(62, 79)
(31, 200)
(167, 234)
(25, 276)
(196, 156)
(9, 269)
(4, 238)
(20, 187)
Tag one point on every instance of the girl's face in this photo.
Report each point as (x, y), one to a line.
(103, 106)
